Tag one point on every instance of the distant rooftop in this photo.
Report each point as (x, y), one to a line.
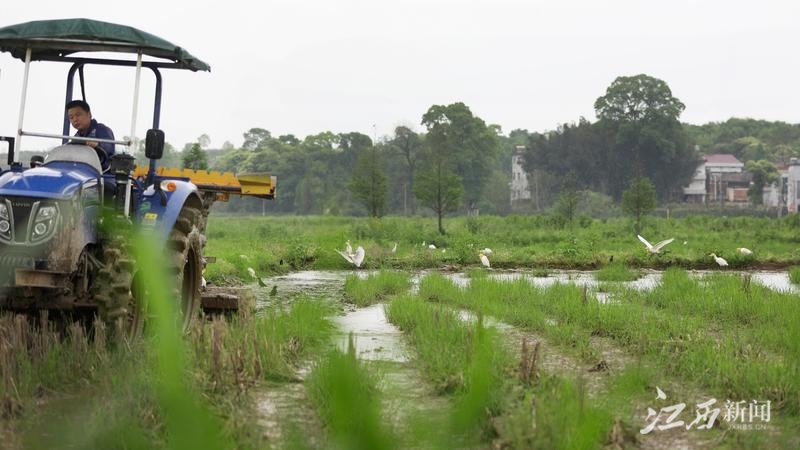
(721, 158)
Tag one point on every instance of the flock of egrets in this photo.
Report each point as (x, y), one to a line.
(718, 259)
(356, 257)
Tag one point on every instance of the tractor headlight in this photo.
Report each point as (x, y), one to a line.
(44, 223)
(5, 222)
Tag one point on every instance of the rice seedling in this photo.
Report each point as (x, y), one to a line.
(345, 393)
(616, 272)
(375, 288)
(794, 274)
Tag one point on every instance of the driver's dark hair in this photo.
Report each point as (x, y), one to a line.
(78, 104)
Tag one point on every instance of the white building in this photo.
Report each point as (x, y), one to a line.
(793, 186)
(519, 178)
(718, 178)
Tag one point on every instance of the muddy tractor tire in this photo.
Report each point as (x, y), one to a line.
(117, 305)
(185, 245)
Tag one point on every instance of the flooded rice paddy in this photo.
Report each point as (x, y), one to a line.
(377, 341)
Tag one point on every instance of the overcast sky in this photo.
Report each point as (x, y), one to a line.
(304, 67)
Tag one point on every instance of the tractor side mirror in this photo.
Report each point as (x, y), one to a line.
(154, 144)
(10, 141)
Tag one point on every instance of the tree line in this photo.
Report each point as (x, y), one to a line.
(459, 163)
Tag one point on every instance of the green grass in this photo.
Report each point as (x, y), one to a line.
(616, 272)
(720, 335)
(794, 275)
(346, 395)
(165, 390)
(376, 287)
(469, 361)
(517, 241)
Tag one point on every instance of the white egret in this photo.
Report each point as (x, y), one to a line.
(484, 259)
(356, 258)
(719, 260)
(432, 247)
(253, 274)
(654, 248)
(394, 248)
(744, 251)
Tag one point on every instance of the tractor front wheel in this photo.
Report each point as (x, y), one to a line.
(118, 306)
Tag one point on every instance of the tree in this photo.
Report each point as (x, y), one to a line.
(572, 148)
(566, 205)
(466, 139)
(437, 184)
(439, 189)
(639, 200)
(195, 158)
(408, 144)
(368, 182)
(255, 138)
(638, 118)
(764, 172)
(568, 199)
(204, 141)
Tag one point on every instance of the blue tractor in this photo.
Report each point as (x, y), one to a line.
(66, 221)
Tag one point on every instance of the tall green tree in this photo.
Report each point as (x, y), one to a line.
(255, 138)
(764, 172)
(440, 190)
(638, 118)
(437, 185)
(568, 199)
(639, 200)
(195, 158)
(570, 149)
(466, 139)
(368, 183)
(407, 144)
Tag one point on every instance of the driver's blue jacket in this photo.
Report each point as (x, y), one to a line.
(101, 131)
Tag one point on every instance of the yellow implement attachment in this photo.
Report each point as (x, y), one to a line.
(259, 185)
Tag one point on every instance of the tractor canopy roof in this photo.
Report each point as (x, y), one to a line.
(54, 40)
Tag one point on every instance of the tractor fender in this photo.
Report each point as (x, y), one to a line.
(159, 215)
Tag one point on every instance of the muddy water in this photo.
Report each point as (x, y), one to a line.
(375, 339)
(330, 284)
(777, 281)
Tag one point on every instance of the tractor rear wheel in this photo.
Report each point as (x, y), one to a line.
(185, 247)
(114, 292)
